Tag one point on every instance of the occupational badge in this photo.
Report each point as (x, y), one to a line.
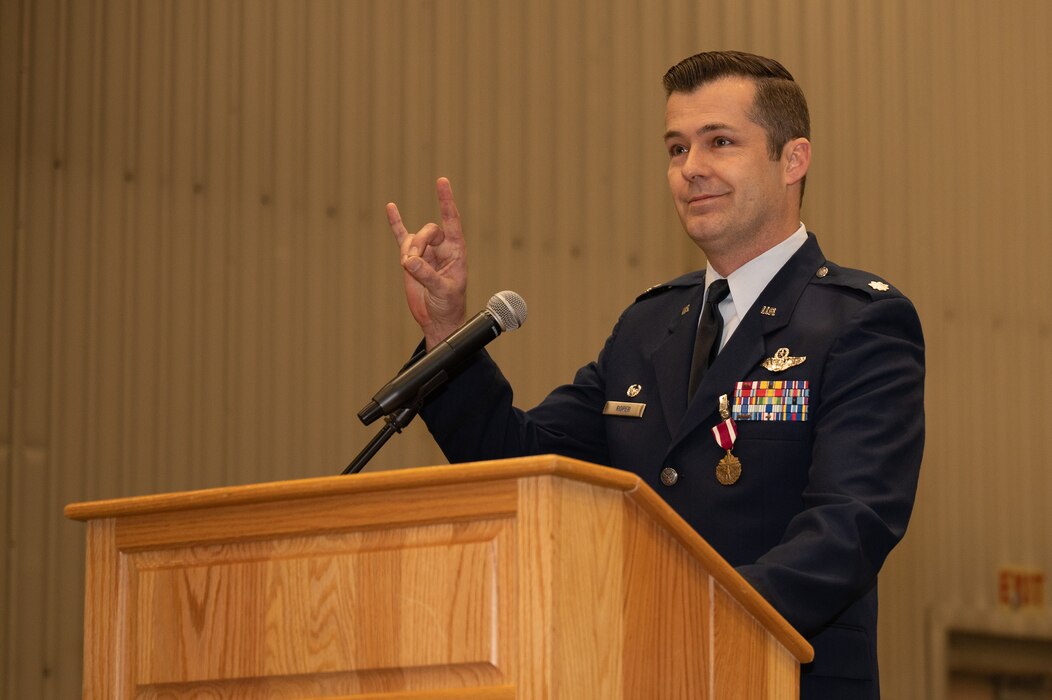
(729, 469)
(782, 361)
(633, 391)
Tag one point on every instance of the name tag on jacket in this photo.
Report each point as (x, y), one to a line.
(624, 408)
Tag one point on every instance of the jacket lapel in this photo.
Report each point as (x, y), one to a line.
(747, 347)
(671, 361)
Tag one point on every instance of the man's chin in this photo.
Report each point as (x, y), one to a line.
(703, 234)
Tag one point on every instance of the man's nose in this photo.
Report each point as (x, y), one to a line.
(695, 164)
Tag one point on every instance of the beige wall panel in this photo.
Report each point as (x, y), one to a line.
(984, 481)
(12, 146)
(25, 507)
(198, 285)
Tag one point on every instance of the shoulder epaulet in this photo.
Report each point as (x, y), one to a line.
(874, 286)
(691, 279)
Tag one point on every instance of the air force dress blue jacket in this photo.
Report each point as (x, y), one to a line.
(829, 465)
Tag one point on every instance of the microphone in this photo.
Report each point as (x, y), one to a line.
(505, 311)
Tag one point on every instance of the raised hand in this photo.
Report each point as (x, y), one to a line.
(436, 270)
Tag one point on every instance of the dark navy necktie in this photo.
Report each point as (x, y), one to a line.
(710, 331)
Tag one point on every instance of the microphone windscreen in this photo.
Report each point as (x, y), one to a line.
(508, 308)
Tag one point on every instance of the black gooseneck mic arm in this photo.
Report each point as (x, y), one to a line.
(393, 423)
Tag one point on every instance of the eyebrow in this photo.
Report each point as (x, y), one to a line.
(715, 126)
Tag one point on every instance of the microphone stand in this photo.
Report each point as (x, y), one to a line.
(394, 422)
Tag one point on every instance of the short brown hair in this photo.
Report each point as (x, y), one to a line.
(779, 106)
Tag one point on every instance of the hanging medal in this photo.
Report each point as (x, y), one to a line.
(729, 469)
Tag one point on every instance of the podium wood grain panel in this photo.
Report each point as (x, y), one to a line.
(571, 577)
(749, 663)
(667, 606)
(104, 674)
(588, 529)
(352, 605)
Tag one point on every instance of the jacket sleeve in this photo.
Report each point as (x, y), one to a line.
(865, 461)
(473, 416)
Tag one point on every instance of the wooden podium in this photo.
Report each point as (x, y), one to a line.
(536, 578)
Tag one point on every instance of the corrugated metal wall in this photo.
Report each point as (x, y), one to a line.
(197, 284)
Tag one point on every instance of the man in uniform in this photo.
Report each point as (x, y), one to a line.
(784, 394)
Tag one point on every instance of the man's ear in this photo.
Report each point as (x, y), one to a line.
(797, 156)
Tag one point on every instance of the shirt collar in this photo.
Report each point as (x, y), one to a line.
(749, 280)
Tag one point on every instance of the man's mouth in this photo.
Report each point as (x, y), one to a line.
(702, 198)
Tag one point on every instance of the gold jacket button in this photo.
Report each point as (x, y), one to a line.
(669, 476)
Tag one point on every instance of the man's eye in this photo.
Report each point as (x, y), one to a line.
(721, 141)
(677, 150)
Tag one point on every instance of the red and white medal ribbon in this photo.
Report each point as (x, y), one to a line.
(725, 433)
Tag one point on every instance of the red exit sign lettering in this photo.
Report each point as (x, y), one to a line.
(1020, 589)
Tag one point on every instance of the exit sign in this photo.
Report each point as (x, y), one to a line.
(1021, 589)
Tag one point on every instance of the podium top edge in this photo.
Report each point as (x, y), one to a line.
(414, 477)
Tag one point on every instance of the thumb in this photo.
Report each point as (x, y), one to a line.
(422, 272)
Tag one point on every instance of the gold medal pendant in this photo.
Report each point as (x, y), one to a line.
(729, 470)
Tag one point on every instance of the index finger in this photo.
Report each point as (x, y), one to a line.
(448, 207)
(394, 220)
